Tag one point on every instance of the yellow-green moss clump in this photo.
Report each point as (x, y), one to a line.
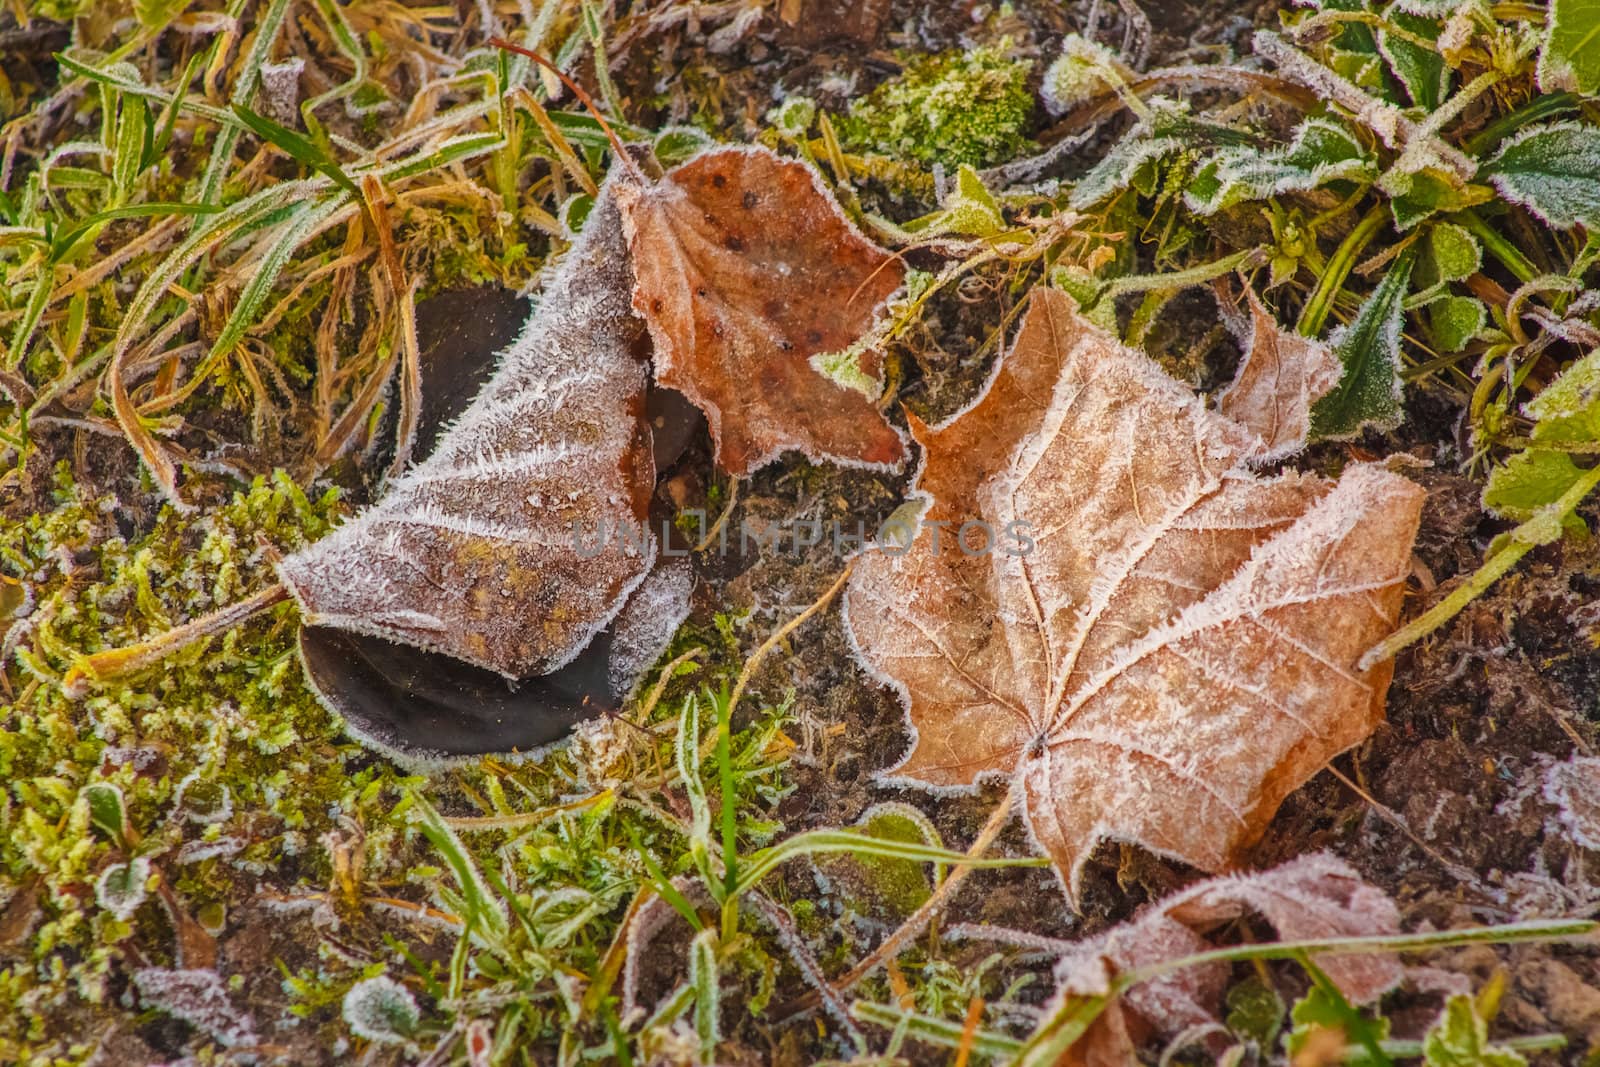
(952, 108)
(217, 763)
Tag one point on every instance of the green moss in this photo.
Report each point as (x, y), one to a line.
(230, 717)
(952, 108)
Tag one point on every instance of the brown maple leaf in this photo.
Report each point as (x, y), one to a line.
(744, 269)
(1281, 376)
(1166, 647)
(1313, 898)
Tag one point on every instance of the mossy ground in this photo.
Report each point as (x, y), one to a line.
(298, 865)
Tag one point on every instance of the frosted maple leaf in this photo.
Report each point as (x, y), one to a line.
(1177, 652)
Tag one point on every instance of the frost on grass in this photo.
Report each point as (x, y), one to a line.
(1177, 651)
(472, 552)
(1311, 898)
(745, 268)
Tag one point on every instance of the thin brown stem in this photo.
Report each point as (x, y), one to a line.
(120, 662)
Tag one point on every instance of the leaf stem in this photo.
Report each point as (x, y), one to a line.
(1507, 253)
(119, 662)
(1315, 314)
(1199, 275)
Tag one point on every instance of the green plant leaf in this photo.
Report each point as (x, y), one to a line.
(106, 811)
(971, 209)
(122, 887)
(1255, 1012)
(1369, 393)
(1320, 152)
(704, 980)
(1167, 132)
(1418, 194)
(1456, 320)
(1453, 254)
(1568, 409)
(156, 14)
(1324, 1009)
(301, 148)
(1553, 171)
(1420, 70)
(1461, 1039)
(1529, 480)
(1570, 58)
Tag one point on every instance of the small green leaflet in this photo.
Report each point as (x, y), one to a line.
(1369, 393)
(1566, 412)
(1570, 58)
(1421, 70)
(1553, 171)
(1453, 253)
(1455, 320)
(1461, 1039)
(1323, 1008)
(1321, 152)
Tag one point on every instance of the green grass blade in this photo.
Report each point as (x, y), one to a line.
(307, 152)
(816, 842)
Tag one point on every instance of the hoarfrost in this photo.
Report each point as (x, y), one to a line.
(1177, 653)
(197, 997)
(431, 564)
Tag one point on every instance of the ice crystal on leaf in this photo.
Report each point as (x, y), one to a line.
(745, 268)
(1282, 375)
(1314, 897)
(380, 1009)
(1553, 171)
(1321, 152)
(1177, 652)
(198, 997)
(471, 552)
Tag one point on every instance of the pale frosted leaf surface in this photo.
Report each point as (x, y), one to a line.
(1321, 152)
(1553, 171)
(1570, 58)
(473, 553)
(1176, 654)
(745, 268)
(198, 997)
(647, 622)
(1313, 897)
(1281, 376)
(1574, 788)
